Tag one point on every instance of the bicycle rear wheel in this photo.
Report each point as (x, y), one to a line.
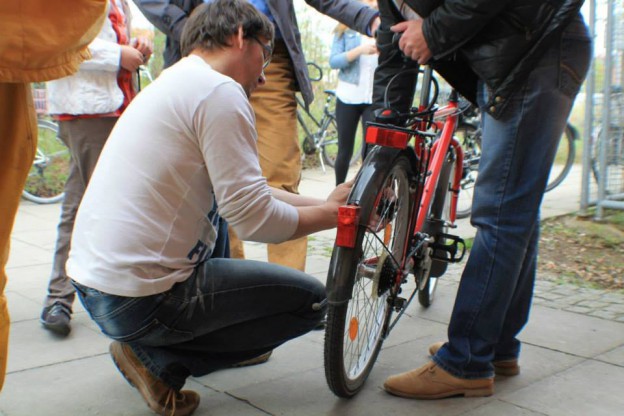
(564, 159)
(470, 139)
(329, 146)
(50, 169)
(369, 272)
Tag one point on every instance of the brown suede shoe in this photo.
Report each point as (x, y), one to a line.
(431, 382)
(161, 398)
(501, 367)
(261, 359)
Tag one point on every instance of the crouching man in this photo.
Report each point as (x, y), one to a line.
(148, 247)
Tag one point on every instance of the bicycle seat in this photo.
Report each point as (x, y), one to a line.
(330, 92)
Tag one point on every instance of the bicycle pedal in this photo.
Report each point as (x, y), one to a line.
(452, 249)
(399, 303)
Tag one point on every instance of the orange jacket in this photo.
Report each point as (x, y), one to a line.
(45, 39)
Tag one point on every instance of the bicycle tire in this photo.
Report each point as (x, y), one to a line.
(329, 146)
(468, 136)
(566, 151)
(356, 328)
(435, 226)
(615, 159)
(46, 179)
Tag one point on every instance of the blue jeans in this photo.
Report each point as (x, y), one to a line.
(495, 292)
(227, 311)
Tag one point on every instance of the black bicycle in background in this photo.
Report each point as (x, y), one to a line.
(321, 134)
(469, 135)
(614, 147)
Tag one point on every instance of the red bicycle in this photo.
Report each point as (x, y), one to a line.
(395, 223)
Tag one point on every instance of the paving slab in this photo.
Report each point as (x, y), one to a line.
(500, 407)
(572, 333)
(93, 386)
(26, 254)
(32, 347)
(589, 388)
(295, 357)
(615, 356)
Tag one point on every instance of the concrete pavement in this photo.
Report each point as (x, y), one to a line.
(572, 361)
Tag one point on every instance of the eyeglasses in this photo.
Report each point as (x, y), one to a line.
(267, 51)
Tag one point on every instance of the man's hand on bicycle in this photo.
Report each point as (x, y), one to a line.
(412, 41)
(339, 195)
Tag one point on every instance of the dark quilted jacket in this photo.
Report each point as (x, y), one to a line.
(497, 41)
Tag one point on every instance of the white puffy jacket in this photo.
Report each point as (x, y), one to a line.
(93, 89)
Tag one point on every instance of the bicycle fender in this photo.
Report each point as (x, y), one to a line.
(372, 174)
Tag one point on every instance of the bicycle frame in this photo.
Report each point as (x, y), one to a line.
(320, 124)
(314, 142)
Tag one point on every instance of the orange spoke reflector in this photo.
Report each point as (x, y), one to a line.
(353, 328)
(387, 234)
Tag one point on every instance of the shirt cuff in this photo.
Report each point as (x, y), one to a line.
(368, 28)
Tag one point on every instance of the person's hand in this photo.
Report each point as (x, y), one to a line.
(145, 46)
(412, 42)
(339, 195)
(131, 58)
(368, 49)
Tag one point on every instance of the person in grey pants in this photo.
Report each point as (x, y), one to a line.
(87, 105)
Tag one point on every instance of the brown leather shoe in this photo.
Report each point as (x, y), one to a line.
(432, 382)
(261, 359)
(501, 367)
(161, 398)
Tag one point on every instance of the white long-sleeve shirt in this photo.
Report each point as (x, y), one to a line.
(185, 142)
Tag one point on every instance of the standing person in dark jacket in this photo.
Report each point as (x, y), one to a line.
(523, 62)
(273, 103)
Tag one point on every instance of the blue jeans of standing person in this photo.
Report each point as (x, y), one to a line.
(495, 292)
(226, 312)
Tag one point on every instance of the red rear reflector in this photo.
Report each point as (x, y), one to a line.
(348, 220)
(385, 137)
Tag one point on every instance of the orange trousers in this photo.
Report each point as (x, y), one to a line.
(278, 149)
(18, 142)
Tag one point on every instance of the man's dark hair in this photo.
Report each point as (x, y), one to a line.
(211, 25)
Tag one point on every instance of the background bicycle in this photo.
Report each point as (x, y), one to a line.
(614, 153)
(320, 135)
(48, 174)
(469, 135)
